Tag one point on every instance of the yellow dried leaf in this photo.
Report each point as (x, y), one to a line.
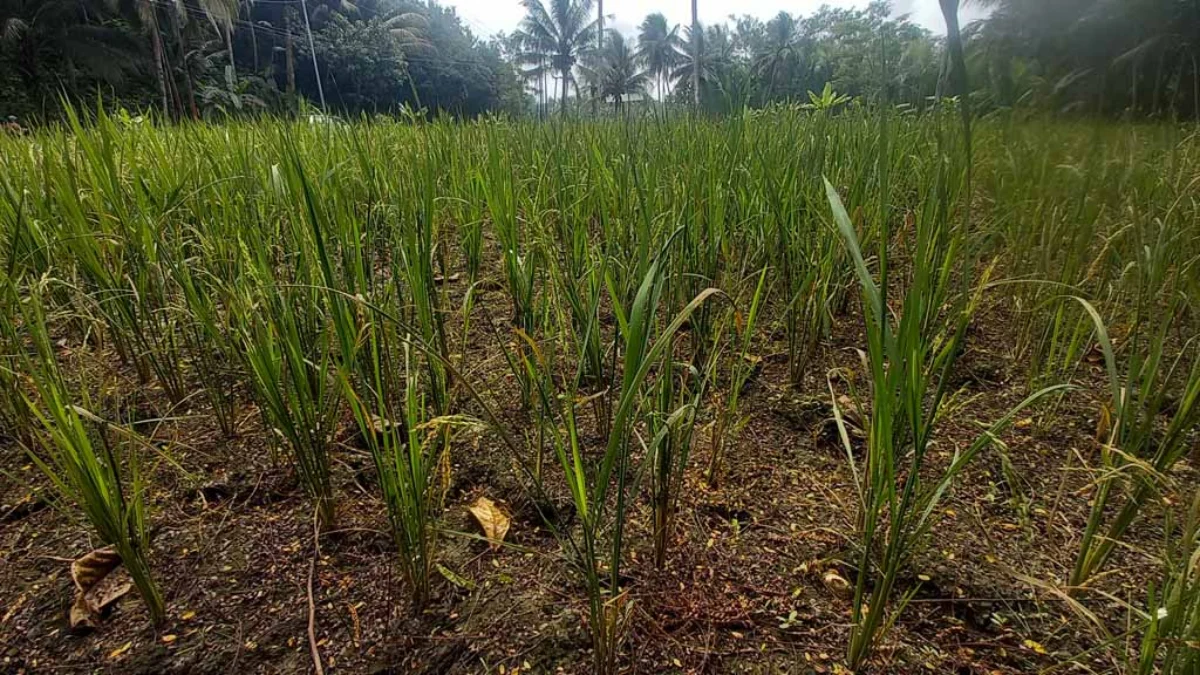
(836, 583)
(168, 639)
(188, 615)
(1103, 424)
(1035, 646)
(116, 653)
(493, 521)
(454, 578)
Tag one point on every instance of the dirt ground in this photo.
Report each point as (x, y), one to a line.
(746, 588)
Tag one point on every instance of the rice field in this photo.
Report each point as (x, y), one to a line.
(784, 392)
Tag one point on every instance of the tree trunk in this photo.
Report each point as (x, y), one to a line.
(313, 52)
(160, 71)
(229, 48)
(173, 88)
(253, 37)
(566, 73)
(289, 57)
(188, 90)
(695, 56)
(662, 100)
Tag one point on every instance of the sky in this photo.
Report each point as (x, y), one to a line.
(487, 17)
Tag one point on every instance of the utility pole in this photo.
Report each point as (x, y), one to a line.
(695, 57)
(313, 51)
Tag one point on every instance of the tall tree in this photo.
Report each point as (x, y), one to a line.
(620, 71)
(780, 53)
(1112, 56)
(558, 35)
(697, 35)
(708, 60)
(222, 14)
(658, 46)
(148, 13)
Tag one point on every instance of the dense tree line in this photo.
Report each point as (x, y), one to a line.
(1111, 57)
(194, 58)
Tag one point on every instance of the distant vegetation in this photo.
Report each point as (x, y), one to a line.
(219, 58)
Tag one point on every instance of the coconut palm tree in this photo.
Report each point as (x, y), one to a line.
(782, 50)
(620, 71)
(708, 53)
(557, 35)
(696, 33)
(222, 14)
(658, 46)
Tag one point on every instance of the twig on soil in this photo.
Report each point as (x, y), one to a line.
(312, 606)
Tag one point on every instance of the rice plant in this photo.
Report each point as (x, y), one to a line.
(907, 361)
(416, 245)
(370, 285)
(99, 474)
(405, 447)
(1136, 451)
(672, 422)
(728, 423)
(601, 488)
(288, 360)
(1172, 625)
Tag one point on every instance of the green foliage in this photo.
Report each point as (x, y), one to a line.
(364, 64)
(827, 100)
(98, 473)
(316, 269)
(1172, 625)
(1136, 454)
(618, 73)
(1098, 56)
(553, 37)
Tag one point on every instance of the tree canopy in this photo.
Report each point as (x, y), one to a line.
(196, 58)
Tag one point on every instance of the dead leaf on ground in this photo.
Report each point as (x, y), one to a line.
(493, 521)
(836, 583)
(454, 578)
(98, 584)
(849, 410)
(1034, 646)
(119, 651)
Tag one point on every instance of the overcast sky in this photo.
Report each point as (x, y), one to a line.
(487, 17)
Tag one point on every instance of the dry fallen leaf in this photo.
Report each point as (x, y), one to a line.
(116, 653)
(169, 638)
(87, 571)
(849, 409)
(493, 521)
(454, 578)
(1103, 424)
(835, 582)
(96, 586)
(1037, 647)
